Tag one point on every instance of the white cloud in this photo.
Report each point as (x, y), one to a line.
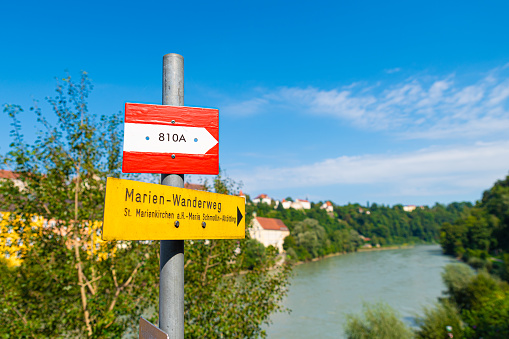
(499, 94)
(430, 171)
(393, 70)
(468, 95)
(418, 107)
(245, 108)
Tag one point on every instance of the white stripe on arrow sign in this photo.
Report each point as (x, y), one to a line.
(167, 139)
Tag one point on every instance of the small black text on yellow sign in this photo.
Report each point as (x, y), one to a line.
(140, 211)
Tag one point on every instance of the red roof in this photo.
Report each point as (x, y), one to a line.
(196, 187)
(271, 224)
(262, 196)
(4, 174)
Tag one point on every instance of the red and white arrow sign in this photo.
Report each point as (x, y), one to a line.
(167, 139)
(170, 139)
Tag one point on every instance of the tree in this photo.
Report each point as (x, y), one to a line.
(495, 202)
(254, 254)
(434, 323)
(379, 321)
(220, 302)
(456, 278)
(310, 235)
(482, 301)
(490, 319)
(483, 228)
(72, 284)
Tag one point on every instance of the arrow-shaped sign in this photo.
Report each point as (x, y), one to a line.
(167, 139)
(170, 139)
(141, 211)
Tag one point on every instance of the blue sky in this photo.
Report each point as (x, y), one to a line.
(388, 102)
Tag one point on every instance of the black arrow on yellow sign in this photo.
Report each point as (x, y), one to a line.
(239, 216)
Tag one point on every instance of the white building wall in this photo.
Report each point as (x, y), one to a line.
(287, 204)
(268, 237)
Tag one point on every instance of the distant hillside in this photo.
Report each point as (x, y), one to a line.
(316, 232)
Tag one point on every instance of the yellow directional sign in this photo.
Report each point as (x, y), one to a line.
(139, 211)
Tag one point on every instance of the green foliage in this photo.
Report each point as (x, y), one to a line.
(490, 319)
(477, 306)
(504, 270)
(484, 229)
(309, 237)
(325, 233)
(495, 202)
(479, 263)
(451, 238)
(378, 321)
(254, 254)
(220, 302)
(70, 283)
(480, 286)
(456, 278)
(433, 325)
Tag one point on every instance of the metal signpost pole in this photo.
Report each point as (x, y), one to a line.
(171, 264)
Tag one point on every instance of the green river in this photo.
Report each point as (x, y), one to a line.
(323, 292)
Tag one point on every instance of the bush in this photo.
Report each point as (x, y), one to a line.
(291, 255)
(433, 325)
(379, 321)
(490, 319)
(254, 254)
(456, 277)
(482, 286)
(479, 263)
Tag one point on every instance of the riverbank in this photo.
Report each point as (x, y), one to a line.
(359, 250)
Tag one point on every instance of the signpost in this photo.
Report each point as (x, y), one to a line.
(170, 139)
(141, 211)
(174, 139)
(171, 252)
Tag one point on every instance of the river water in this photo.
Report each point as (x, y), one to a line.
(322, 293)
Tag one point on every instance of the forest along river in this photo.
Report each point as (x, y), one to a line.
(323, 292)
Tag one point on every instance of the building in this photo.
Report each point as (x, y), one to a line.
(409, 208)
(298, 204)
(327, 206)
(269, 231)
(242, 195)
(262, 198)
(362, 211)
(9, 175)
(14, 244)
(286, 204)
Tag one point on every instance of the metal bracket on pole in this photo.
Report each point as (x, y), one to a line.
(171, 264)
